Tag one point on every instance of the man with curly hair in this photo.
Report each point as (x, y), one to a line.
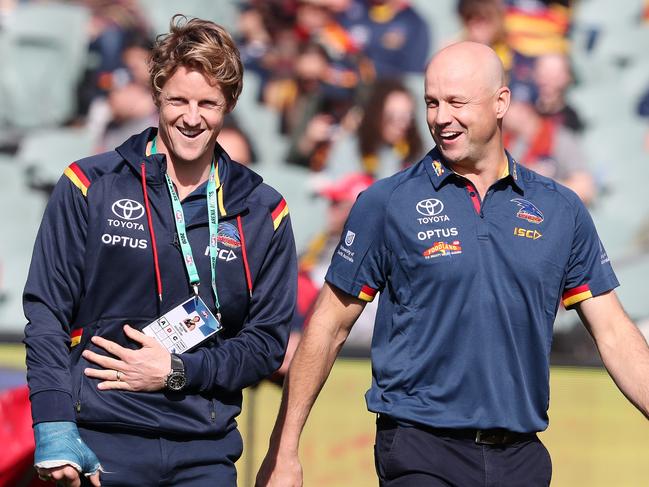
(158, 226)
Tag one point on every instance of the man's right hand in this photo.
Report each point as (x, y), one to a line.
(276, 471)
(66, 475)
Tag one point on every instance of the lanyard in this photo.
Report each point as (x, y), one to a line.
(213, 222)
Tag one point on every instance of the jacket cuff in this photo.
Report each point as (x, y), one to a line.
(50, 406)
(194, 367)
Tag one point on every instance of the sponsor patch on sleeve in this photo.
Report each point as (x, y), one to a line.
(576, 295)
(279, 213)
(78, 178)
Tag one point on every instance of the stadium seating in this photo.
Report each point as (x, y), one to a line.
(261, 123)
(43, 54)
(307, 211)
(45, 154)
(22, 209)
(159, 12)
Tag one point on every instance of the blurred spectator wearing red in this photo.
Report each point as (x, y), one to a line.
(547, 147)
(519, 31)
(534, 28)
(314, 262)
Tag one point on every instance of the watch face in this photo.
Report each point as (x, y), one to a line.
(176, 381)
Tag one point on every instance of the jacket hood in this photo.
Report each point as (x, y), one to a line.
(236, 180)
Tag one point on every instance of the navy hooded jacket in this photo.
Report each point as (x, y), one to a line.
(93, 270)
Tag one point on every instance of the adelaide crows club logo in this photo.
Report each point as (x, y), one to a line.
(228, 235)
(527, 211)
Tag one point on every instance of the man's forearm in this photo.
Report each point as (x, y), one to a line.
(626, 357)
(307, 374)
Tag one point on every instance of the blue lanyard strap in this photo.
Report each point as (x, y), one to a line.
(181, 230)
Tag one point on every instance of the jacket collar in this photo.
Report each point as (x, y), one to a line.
(439, 171)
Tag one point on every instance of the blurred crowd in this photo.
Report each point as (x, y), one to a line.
(336, 72)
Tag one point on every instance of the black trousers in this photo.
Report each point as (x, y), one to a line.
(144, 460)
(411, 456)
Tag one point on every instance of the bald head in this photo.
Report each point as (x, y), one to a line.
(469, 61)
(466, 100)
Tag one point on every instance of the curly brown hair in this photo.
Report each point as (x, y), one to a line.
(201, 45)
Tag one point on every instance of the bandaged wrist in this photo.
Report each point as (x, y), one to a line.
(59, 443)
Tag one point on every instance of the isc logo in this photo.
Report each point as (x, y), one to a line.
(522, 232)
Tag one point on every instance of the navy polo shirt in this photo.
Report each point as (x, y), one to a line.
(469, 291)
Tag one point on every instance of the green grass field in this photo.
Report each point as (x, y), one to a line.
(596, 438)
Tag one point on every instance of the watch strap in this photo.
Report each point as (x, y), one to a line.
(177, 364)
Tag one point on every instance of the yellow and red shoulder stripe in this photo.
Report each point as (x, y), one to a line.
(367, 293)
(78, 178)
(75, 337)
(279, 213)
(576, 295)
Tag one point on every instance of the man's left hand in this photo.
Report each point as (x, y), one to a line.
(144, 369)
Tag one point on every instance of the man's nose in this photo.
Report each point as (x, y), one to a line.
(192, 116)
(443, 114)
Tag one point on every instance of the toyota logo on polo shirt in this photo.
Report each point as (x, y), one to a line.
(430, 207)
(128, 209)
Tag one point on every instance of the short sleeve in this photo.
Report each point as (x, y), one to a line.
(360, 259)
(589, 271)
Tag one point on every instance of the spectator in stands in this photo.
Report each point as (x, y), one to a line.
(312, 109)
(548, 148)
(391, 34)
(483, 21)
(267, 39)
(534, 28)
(387, 139)
(236, 142)
(292, 93)
(129, 101)
(111, 23)
(519, 31)
(316, 22)
(552, 78)
(313, 264)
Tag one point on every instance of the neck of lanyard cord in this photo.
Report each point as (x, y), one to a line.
(181, 230)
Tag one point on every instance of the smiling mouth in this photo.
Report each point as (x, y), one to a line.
(190, 133)
(448, 136)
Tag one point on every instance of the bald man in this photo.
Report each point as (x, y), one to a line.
(472, 254)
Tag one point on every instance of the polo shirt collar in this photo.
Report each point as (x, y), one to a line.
(438, 171)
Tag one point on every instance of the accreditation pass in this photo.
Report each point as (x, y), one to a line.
(184, 326)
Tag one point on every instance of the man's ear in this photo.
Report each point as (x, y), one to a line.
(503, 97)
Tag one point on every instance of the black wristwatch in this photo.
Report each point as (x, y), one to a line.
(176, 379)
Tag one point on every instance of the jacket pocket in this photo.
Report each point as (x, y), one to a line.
(77, 368)
(109, 328)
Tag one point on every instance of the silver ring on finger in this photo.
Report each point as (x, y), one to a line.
(118, 375)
